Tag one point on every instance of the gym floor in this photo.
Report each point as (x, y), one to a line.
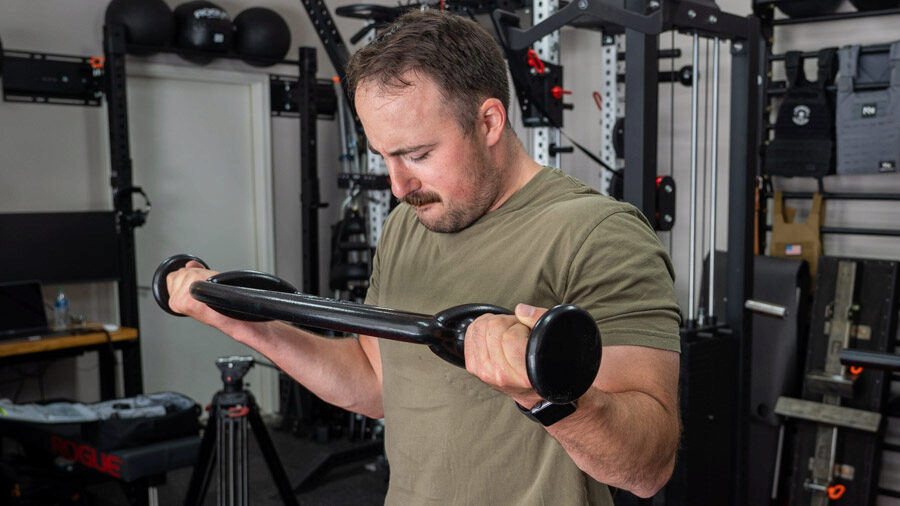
(361, 483)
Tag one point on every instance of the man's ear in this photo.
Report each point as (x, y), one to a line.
(492, 115)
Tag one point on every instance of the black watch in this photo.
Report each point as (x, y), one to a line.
(547, 413)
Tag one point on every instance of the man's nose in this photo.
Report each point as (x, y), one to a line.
(402, 180)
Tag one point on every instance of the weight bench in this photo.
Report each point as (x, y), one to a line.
(139, 469)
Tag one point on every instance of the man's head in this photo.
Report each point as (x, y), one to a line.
(446, 173)
(457, 54)
(431, 94)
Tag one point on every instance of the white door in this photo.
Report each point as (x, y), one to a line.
(201, 151)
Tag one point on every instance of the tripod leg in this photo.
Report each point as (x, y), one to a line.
(224, 462)
(271, 456)
(245, 478)
(234, 469)
(202, 472)
(233, 483)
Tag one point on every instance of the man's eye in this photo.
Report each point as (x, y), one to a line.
(420, 157)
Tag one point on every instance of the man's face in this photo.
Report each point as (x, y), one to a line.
(445, 174)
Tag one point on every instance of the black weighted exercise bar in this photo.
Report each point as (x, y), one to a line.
(562, 357)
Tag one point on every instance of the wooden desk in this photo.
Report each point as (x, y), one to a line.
(80, 341)
(51, 343)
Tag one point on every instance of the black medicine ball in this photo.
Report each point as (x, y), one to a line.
(261, 34)
(874, 5)
(807, 8)
(147, 22)
(202, 26)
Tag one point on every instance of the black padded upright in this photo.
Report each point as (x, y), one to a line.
(777, 358)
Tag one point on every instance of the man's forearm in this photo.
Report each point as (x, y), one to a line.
(625, 431)
(627, 440)
(336, 370)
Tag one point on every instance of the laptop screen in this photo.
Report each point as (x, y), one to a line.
(22, 309)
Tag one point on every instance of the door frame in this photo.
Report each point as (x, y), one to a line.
(261, 141)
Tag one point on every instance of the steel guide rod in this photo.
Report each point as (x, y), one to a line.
(713, 191)
(692, 241)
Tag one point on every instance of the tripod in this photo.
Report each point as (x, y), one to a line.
(225, 442)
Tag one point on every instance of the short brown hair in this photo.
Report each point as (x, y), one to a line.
(460, 56)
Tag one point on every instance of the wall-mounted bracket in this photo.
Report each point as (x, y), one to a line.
(283, 97)
(50, 78)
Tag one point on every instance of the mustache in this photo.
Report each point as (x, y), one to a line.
(420, 198)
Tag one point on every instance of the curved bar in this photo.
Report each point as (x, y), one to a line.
(457, 319)
(563, 351)
(321, 313)
(563, 354)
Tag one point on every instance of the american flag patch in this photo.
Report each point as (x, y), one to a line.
(792, 250)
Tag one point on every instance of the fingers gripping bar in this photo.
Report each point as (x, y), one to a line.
(562, 356)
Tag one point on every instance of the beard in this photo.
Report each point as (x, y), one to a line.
(457, 215)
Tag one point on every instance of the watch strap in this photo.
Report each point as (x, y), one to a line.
(547, 413)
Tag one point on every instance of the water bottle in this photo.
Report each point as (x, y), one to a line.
(60, 310)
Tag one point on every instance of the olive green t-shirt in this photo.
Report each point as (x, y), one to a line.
(450, 438)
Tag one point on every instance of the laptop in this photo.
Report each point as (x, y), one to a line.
(22, 310)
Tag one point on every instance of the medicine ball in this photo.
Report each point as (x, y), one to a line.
(147, 22)
(261, 34)
(202, 26)
(874, 5)
(807, 8)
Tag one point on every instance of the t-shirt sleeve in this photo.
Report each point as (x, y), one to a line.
(372, 290)
(384, 245)
(624, 278)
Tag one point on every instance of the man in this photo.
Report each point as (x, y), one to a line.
(483, 222)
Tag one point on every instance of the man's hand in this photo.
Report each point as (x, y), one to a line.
(179, 284)
(343, 372)
(495, 352)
